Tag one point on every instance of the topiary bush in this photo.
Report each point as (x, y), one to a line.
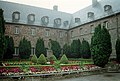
(85, 50)
(117, 47)
(101, 47)
(53, 58)
(64, 59)
(42, 60)
(34, 58)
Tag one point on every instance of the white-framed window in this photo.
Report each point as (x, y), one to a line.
(32, 50)
(92, 28)
(61, 34)
(80, 31)
(77, 20)
(31, 18)
(90, 15)
(47, 32)
(33, 31)
(16, 16)
(65, 23)
(57, 22)
(16, 50)
(107, 8)
(72, 34)
(16, 30)
(105, 24)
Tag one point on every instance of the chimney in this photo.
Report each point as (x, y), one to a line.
(94, 2)
(55, 8)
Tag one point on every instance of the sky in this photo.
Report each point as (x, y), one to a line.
(69, 6)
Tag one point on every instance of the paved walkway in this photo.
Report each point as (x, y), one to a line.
(102, 77)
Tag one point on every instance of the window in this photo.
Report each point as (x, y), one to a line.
(61, 34)
(105, 24)
(80, 31)
(107, 8)
(65, 23)
(32, 50)
(72, 34)
(16, 16)
(16, 50)
(31, 18)
(57, 22)
(92, 28)
(17, 30)
(77, 20)
(45, 20)
(90, 15)
(47, 32)
(33, 31)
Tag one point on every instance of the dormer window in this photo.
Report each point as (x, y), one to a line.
(77, 20)
(57, 22)
(65, 23)
(107, 8)
(45, 20)
(31, 18)
(16, 16)
(90, 15)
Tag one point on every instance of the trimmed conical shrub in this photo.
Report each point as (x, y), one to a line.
(101, 46)
(42, 60)
(34, 59)
(64, 59)
(117, 47)
(53, 58)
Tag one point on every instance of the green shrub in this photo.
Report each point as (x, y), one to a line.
(101, 46)
(64, 59)
(42, 60)
(53, 58)
(34, 58)
(117, 47)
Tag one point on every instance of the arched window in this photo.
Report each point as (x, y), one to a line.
(107, 8)
(45, 20)
(77, 20)
(16, 16)
(57, 22)
(90, 15)
(65, 23)
(31, 18)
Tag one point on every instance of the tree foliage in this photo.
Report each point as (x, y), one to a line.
(64, 59)
(85, 50)
(75, 48)
(117, 47)
(55, 47)
(40, 47)
(24, 49)
(66, 50)
(10, 48)
(34, 58)
(101, 46)
(42, 60)
(2, 35)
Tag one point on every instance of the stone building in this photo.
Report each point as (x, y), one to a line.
(34, 22)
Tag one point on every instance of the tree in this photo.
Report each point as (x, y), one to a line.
(24, 49)
(40, 47)
(42, 60)
(66, 50)
(101, 46)
(117, 47)
(75, 48)
(86, 53)
(55, 47)
(10, 48)
(64, 59)
(2, 35)
(34, 58)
